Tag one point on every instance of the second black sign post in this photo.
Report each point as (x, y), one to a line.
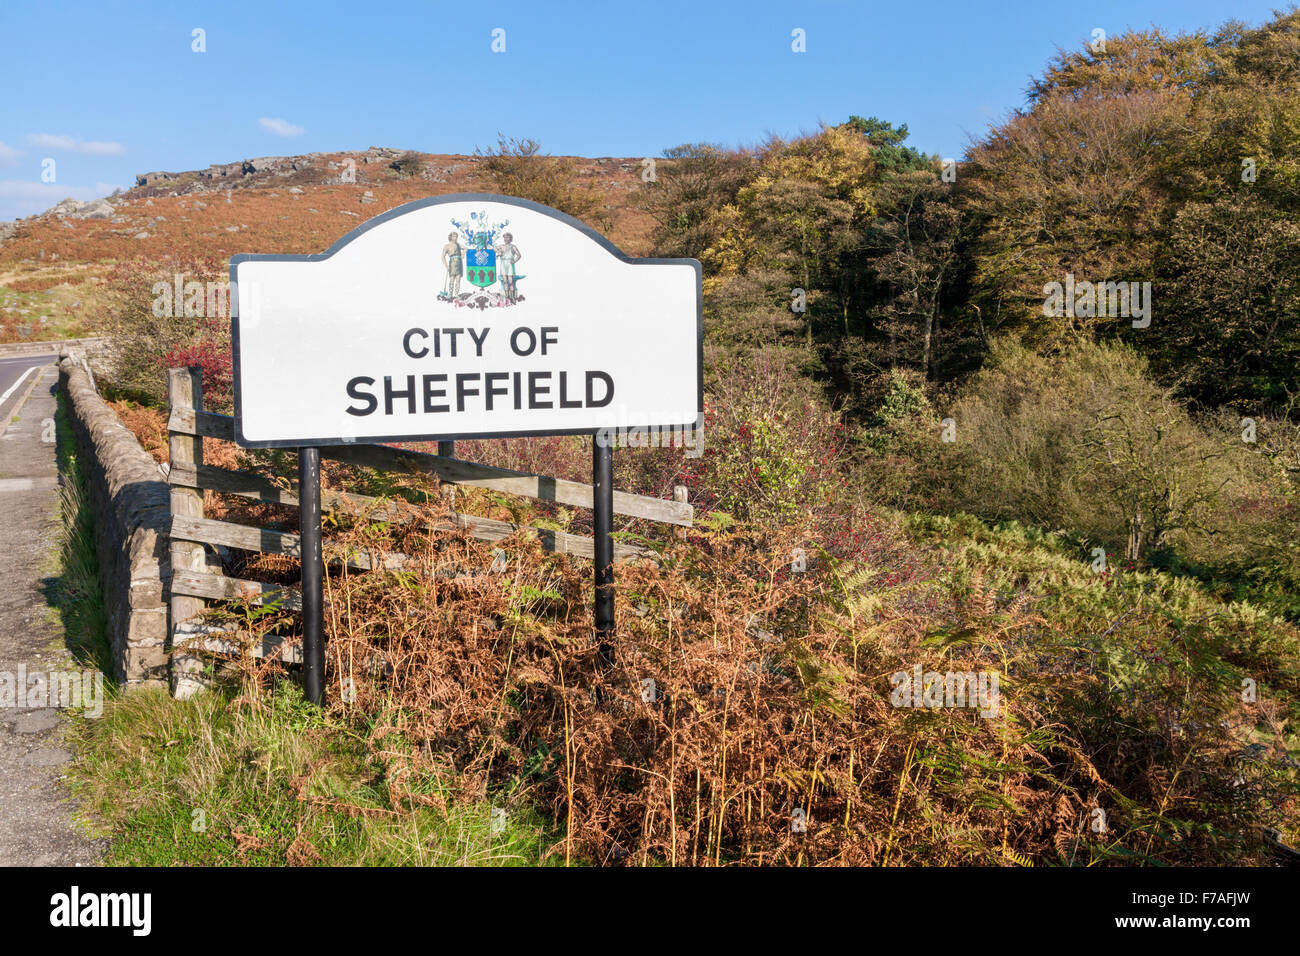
(309, 545)
(602, 492)
(313, 565)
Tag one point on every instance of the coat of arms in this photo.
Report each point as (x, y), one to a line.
(484, 253)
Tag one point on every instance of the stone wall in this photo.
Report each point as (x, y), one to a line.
(97, 351)
(131, 512)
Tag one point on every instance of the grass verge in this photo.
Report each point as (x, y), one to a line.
(240, 779)
(72, 589)
(239, 776)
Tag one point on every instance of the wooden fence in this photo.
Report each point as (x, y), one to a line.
(195, 583)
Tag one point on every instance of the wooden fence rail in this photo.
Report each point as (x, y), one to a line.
(195, 582)
(454, 471)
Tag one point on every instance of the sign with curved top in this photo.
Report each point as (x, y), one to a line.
(464, 316)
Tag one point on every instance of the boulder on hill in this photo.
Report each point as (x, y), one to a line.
(376, 154)
(222, 170)
(265, 163)
(96, 209)
(65, 207)
(148, 179)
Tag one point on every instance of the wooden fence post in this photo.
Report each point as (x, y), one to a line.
(185, 390)
(447, 449)
(681, 493)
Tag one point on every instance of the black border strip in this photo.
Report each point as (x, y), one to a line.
(438, 201)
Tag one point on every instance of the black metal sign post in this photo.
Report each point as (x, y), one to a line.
(602, 489)
(313, 625)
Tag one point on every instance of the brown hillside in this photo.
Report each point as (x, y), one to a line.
(295, 204)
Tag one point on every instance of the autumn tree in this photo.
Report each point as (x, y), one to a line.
(1230, 282)
(518, 167)
(1076, 186)
(1084, 441)
(803, 215)
(913, 245)
(692, 183)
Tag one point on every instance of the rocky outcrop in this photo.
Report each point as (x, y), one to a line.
(148, 179)
(259, 170)
(224, 175)
(265, 163)
(380, 154)
(225, 170)
(75, 209)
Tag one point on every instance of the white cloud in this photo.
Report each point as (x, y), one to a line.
(97, 148)
(280, 127)
(50, 141)
(23, 197)
(74, 145)
(8, 155)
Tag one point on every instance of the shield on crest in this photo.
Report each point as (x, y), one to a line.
(481, 267)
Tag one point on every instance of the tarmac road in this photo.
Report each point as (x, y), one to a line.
(15, 376)
(36, 820)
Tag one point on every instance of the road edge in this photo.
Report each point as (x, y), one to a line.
(18, 406)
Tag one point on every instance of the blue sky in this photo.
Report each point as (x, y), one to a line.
(111, 88)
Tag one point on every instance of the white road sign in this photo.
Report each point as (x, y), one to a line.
(463, 316)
